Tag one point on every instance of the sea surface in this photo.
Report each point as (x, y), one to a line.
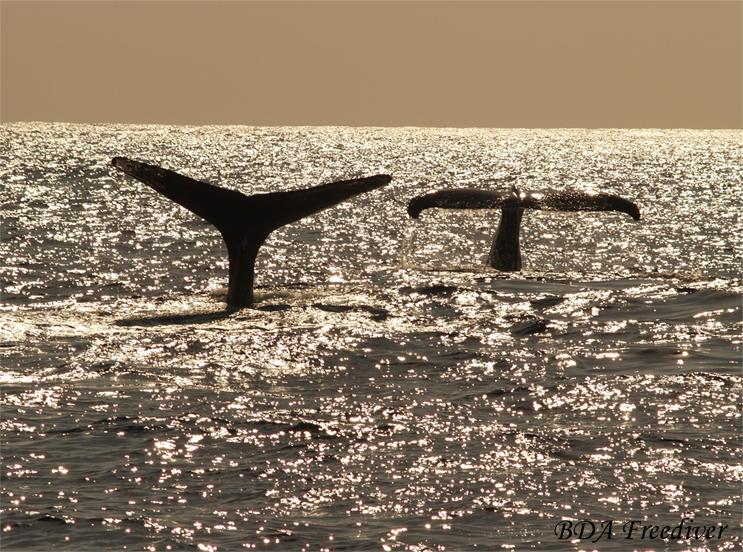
(388, 391)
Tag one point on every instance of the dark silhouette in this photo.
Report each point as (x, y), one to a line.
(505, 253)
(245, 221)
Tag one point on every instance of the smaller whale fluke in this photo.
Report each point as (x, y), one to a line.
(245, 221)
(505, 253)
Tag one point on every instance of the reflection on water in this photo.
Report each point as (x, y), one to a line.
(388, 390)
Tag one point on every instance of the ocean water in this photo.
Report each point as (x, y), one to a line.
(388, 391)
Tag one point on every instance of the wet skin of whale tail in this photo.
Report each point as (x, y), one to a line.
(245, 221)
(505, 253)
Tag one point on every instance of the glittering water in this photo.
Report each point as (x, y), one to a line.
(388, 391)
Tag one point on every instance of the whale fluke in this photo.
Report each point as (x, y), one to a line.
(245, 221)
(505, 253)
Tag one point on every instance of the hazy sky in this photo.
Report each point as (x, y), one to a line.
(485, 64)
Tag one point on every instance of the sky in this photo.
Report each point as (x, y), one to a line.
(546, 64)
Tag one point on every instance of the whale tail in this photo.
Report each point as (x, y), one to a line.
(505, 253)
(244, 221)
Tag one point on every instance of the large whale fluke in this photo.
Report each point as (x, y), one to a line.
(245, 221)
(505, 253)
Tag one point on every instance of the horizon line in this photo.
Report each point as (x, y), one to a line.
(325, 125)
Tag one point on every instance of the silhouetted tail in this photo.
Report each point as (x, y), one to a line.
(505, 252)
(463, 198)
(244, 221)
(231, 211)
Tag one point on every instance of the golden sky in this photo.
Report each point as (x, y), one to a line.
(420, 63)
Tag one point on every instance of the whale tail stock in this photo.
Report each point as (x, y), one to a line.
(244, 221)
(505, 253)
